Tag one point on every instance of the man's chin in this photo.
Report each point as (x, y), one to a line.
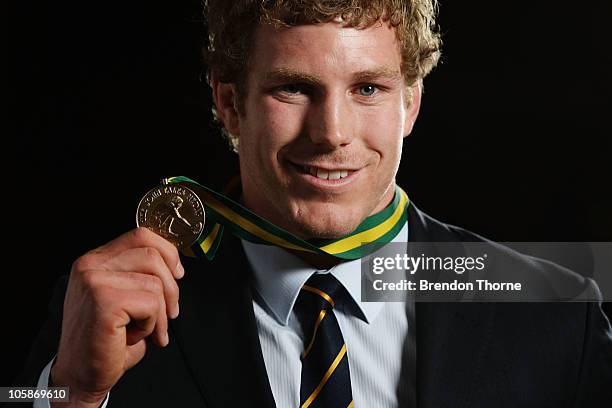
(324, 228)
(320, 220)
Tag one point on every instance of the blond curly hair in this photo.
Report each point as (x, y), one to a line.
(232, 23)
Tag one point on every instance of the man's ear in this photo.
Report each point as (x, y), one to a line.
(225, 98)
(413, 108)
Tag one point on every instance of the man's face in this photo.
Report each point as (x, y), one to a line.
(320, 136)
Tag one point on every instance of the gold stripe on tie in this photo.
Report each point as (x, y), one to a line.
(328, 374)
(351, 405)
(314, 332)
(320, 293)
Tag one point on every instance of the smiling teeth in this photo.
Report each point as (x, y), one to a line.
(327, 175)
(322, 174)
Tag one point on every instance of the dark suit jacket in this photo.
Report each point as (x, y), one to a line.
(467, 354)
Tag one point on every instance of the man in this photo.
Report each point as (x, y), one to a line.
(316, 97)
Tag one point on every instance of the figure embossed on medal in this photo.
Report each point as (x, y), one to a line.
(169, 217)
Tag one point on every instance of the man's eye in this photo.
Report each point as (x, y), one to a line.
(367, 90)
(291, 88)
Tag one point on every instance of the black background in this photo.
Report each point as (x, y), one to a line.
(513, 140)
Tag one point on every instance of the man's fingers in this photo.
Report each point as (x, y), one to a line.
(138, 329)
(142, 237)
(139, 286)
(134, 353)
(148, 261)
(137, 297)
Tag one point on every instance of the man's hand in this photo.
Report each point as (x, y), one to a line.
(117, 296)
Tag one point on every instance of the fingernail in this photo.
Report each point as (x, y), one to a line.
(180, 271)
(166, 339)
(175, 312)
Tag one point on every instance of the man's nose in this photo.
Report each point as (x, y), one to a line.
(331, 122)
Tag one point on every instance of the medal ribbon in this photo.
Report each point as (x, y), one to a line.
(223, 212)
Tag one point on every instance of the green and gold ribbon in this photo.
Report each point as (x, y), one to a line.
(223, 212)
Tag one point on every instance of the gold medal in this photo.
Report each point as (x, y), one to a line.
(173, 212)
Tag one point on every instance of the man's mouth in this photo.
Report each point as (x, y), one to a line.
(322, 177)
(326, 174)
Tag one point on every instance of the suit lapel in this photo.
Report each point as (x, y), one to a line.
(217, 333)
(451, 338)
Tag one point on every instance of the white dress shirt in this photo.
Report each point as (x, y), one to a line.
(375, 333)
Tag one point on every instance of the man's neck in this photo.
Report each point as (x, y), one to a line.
(317, 261)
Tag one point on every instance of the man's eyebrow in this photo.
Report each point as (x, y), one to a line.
(290, 75)
(378, 73)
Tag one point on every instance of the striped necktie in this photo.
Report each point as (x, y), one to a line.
(325, 367)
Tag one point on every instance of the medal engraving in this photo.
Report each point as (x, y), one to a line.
(173, 212)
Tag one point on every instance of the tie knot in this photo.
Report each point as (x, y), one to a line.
(324, 289)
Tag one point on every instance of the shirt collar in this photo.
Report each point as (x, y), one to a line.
(279, 276)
